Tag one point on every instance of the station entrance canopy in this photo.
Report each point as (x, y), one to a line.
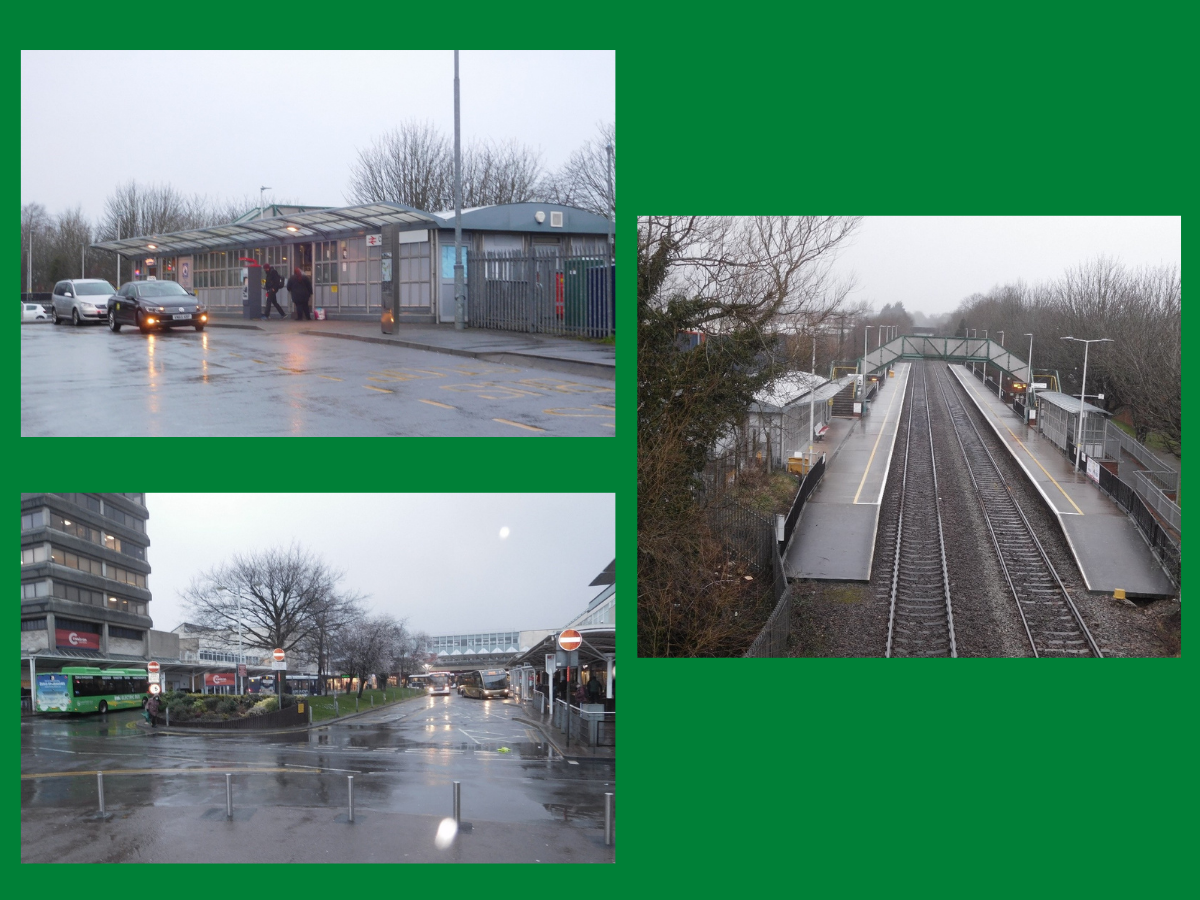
(951, 349)
(317, 224)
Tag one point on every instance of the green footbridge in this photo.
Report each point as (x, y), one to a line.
(951, 349)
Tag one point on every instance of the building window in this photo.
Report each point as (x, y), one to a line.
(33, 624)
(87, 501)
(31, 555)
(78, 529)
(137, 579)
(136, 498)
(128, 633)
(112, 542)
(75, 561)
(76, 625)
(128, 521)
(96, 598)
(35, 519)
(31, 590)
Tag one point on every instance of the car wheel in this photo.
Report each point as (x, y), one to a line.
(112, 321)
(103, 706)
(54, 312)
(145, 329)
(74, 317)
(199, 327)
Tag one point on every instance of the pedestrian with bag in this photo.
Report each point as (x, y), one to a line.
(274, 286)
(152, 710)
(301, 290)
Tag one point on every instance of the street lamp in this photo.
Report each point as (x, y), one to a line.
(1082, 387)
(240, 658)
(260, 200)
(1029, 388)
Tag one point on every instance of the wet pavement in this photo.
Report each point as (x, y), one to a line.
(166, 791)
(282, 380)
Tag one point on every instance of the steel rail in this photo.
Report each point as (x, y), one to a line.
(917, 561)
(958, 411)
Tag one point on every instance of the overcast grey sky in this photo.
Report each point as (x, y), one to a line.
(930, 263)
(225, 123)
(437, 559)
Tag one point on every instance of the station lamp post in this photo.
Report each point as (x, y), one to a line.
(240, 659)
(1029, 387)
(1082, 388)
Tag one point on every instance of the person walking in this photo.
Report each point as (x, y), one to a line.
(301, 290)
(152, 709)
(274, 286)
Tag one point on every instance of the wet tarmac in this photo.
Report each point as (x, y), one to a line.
(404, 759)
(229, 382)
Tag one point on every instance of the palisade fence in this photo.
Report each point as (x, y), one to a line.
(545, 292)
(751, 539)
(1163, 545)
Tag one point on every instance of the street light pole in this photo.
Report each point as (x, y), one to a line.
(1029, 387)
(460, 310)
(260, 200)
(1083, 390)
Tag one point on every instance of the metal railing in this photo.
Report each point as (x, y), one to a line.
(543, 293)
(807, 484)
(596, 729)
(1116, 440)
(1149, 489)
(1163, 545)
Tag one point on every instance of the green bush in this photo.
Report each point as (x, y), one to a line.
(265, 705)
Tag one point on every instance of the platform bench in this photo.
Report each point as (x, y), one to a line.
(820, 432)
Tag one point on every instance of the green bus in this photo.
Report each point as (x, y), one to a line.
(84, 689)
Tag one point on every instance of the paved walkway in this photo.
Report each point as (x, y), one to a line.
(835, 537)
(1107, 545)
(559, 354)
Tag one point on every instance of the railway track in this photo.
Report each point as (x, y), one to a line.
(1052, 623)
(920, 618)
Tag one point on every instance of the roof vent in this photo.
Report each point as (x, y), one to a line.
(556, 220)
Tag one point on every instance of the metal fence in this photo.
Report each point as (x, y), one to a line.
(1146, 487)
(1116, 440)
(810, 481)
(543, 292)
(746, 535)
(1165, 548)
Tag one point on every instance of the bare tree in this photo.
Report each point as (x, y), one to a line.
(494, 173)
(583, 179)
(282, 591)
(366, 646)
(412, 164)
(330, 616)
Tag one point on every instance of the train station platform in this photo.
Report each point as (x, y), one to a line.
(1108, 547)
(835, 537)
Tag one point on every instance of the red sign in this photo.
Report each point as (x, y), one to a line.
(152, 667)
(570, 639)
(80, 640)
(219, 679)
(278, 654)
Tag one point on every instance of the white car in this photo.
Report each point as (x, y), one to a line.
(82, 300)
(34, 312)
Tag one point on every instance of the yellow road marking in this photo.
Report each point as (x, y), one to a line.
(518, 425)
(882, 429)
(602, 406)
(435, 403)
(293, 371)
(209, 771)
(1021, 444)
(577, 412)
(330, 377)
(607, 425)
(381, 390)
(260, 362)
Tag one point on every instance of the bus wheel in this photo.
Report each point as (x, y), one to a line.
(103, 706)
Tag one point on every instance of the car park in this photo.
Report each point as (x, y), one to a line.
(34, 312)
(81, 300)
(154, 306)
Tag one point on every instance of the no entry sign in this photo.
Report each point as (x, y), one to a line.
(570, 639)
(278, 654)
(152, 667)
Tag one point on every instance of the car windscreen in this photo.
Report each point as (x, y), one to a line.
(494, 682)
(95, 287)
(161, 289)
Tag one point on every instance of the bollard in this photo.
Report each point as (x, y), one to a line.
(372, 700)
(350, 794)
(228, 795)
(168, 717)
(335, 709)
(100, 788)
(608, 801)
(310, 714)
(457, 803)
(356, 703)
